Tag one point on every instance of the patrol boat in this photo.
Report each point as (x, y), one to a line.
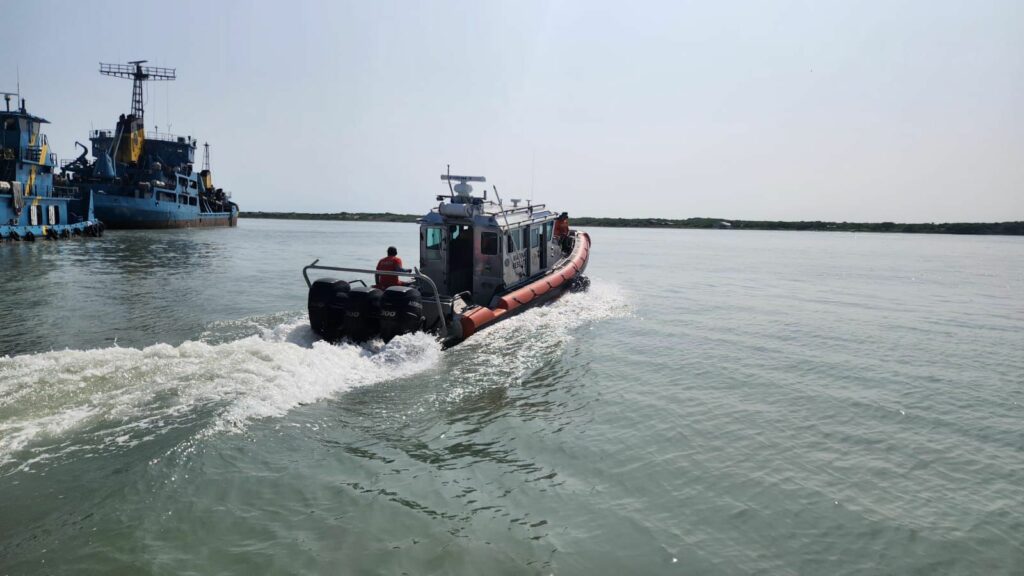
(480, 262)
(148, 180)
(33, 203)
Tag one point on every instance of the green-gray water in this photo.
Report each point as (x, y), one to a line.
(721, 402)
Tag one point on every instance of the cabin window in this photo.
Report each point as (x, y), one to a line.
(433, 238)
(549, 229)
(433, 243)
(515, 240)
(192, 184)
(489, 243)
(534, 236)
(166, 197)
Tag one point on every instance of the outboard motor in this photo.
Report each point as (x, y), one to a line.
(362, 315)
(328, 300)
(579, 284)
(401, 312)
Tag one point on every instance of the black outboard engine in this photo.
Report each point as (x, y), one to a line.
(362, 315)
(401, 312)
(579, 284)
(328, 300)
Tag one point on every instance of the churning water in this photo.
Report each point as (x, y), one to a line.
(720, 402)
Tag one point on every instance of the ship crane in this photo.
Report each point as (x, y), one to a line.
(138, 74)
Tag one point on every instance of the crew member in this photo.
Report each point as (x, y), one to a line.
(561, 232)
(391, 263)
(562, 225)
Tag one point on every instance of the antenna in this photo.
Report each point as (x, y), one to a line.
(137, 73)
(206, 156)
(463, 188)
(533, 172)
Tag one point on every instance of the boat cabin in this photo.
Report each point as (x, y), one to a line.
(470, 244)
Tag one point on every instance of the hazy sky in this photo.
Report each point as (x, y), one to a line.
(860, 111)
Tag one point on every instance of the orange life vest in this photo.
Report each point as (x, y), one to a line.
(391, 264)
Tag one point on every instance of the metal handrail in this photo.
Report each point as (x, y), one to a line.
(414, 274)
(162, 136)
(70, 192)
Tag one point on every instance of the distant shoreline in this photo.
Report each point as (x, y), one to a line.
(1000, 228)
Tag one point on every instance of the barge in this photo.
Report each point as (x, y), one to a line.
(34, 202)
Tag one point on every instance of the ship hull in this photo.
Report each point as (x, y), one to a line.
(48, 217)
(563, 278)
(127, 212)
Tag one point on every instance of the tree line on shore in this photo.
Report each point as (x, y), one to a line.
(1007, 228)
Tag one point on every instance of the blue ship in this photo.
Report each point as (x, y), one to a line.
(148, 181)
(34, 202)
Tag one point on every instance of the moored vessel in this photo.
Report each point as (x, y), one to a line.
(142, 180)
(34, 202)
(480, 262)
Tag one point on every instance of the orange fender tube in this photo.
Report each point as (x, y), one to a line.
(476, 320)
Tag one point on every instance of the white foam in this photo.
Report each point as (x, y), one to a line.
(511, 349)
(89, 401)
(126, 391)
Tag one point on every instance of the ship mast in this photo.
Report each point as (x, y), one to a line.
(130, 136)
(137, 73)
(206, 156)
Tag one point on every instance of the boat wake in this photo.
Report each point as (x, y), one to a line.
(511, 351)
(59, 405)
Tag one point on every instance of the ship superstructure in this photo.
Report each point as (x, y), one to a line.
(34, 202)
(148, 181)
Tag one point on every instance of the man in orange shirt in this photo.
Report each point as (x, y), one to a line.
(562, 225)
(561, 232)
(390, 263)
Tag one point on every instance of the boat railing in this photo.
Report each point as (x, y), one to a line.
(414, 274)
(168, 137)
(162, 136)
(70, 192)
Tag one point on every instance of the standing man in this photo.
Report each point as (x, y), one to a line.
(561, 232)
(390, 263)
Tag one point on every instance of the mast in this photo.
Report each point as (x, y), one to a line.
(137, 73)
(130, 135)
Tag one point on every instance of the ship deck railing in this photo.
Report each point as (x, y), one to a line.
(161, 136)
(69, 192)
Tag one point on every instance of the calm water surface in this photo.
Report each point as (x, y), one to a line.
(721, 402)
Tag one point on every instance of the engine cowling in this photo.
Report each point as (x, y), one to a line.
(327, 302)
(401, 312)
(362, 313)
